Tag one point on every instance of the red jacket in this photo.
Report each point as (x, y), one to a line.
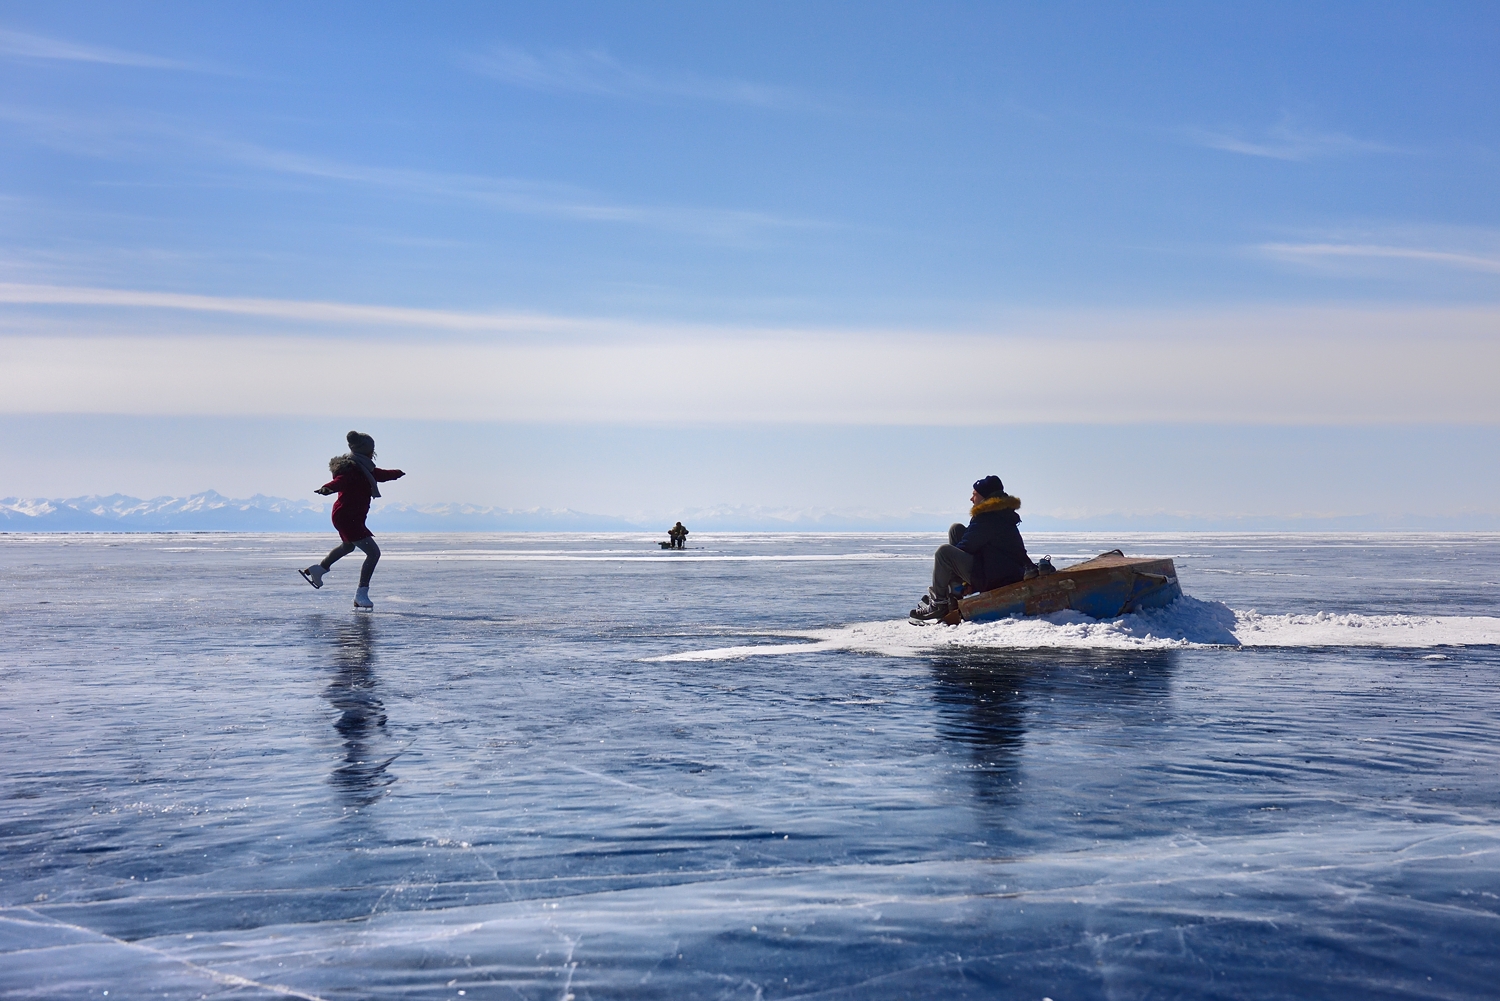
(354, 500)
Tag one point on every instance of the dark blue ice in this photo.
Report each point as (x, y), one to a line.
(220, 783)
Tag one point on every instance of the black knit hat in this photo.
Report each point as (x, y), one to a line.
(989, 487)
(361, 443)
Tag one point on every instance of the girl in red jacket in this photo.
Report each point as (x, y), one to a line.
(356, 480)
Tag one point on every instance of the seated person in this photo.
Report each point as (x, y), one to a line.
(678, 534)
(987, 554)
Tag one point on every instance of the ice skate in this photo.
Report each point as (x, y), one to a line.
(362, 599)
(314, 574)
(930, 608)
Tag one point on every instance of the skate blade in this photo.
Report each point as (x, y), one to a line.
(309, 578)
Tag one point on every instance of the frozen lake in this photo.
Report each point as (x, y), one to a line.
(553, 767)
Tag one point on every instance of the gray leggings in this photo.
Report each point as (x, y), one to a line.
(372, 557)
(950, 564)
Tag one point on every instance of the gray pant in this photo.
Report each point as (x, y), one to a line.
(950, 565)
(372, 557)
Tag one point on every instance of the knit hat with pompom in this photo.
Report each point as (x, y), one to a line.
(361, 443)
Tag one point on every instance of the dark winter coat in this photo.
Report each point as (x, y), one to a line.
(353, 504)
(994, 541)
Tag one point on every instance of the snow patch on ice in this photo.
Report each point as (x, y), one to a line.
(1186, 623)
(1327, 629)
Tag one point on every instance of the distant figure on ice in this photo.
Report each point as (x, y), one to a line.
(987, 554)
(678, 536)
(356, 480)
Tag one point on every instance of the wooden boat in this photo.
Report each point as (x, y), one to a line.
(1108, 585)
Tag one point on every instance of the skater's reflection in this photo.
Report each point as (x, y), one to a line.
(362, 778)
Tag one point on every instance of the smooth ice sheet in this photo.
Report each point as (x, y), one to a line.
(598, 770)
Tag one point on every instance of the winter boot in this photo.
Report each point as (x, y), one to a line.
(362, 598)
(314, 574)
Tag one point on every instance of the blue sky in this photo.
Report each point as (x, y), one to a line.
(1034, 236)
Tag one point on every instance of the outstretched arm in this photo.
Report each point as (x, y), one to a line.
(381, 475)
(334, 485)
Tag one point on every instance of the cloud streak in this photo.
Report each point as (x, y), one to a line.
(1325, 251)
(528, 197)
(1286, 142)
(1266, 366)
(832, 379)
(596, 73)
(345, 314)
(144, 139)
(18, 44)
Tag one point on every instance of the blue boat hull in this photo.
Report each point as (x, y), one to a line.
(1103, 587)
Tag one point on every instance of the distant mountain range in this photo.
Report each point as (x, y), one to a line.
(208, 511)
(212, 512)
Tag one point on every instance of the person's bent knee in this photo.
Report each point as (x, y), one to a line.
(956, 533)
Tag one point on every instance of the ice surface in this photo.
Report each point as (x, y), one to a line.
(513, 780)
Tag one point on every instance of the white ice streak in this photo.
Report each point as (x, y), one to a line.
(541, 938)
(1327, 629)
(1186, 623)
(677, 556)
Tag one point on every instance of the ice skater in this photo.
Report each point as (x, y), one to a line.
(356, 479)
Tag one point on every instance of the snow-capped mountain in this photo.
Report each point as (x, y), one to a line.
(207, 511)
(212, 511)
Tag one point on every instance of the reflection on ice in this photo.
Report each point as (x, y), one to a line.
(982, 709)
(362, 778)
(990, 703)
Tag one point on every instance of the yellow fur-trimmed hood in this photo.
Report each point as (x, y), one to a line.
(1003, 502)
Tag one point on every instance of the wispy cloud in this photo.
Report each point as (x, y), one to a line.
(1287, 366)
(119, 136)
(18, 44)
(1288, 142)
(21, 294)
(1311, 252)
(596, 72)
(530, 197)
(150, 138)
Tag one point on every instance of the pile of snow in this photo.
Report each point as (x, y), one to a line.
(1187, 622)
